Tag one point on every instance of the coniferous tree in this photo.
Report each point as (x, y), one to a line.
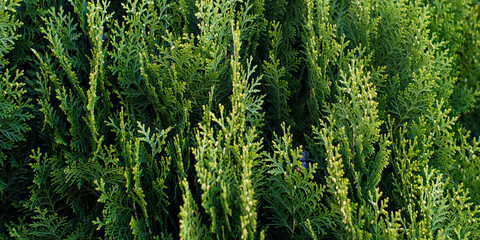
(230, 119)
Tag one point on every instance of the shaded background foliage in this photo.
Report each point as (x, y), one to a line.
(186, 119)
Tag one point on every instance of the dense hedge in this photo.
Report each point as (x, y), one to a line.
(230, 119)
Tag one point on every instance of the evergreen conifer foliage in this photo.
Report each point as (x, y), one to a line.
(321, 51)
(356, 155)
(12, 113)
(15, 107)
(227, 149)
(292, 198)
(277, 89)
(9, 25)
(239, 119)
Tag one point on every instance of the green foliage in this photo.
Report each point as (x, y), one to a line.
(355, 156)
(293, 198)
(8, 25)
(440, 213)
(13, 113)
(321, 52)
(14, 108)
(227, 148)
(229, 119)
(466, 169)
(276, 86)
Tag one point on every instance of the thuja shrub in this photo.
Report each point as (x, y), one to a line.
(253, 119)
